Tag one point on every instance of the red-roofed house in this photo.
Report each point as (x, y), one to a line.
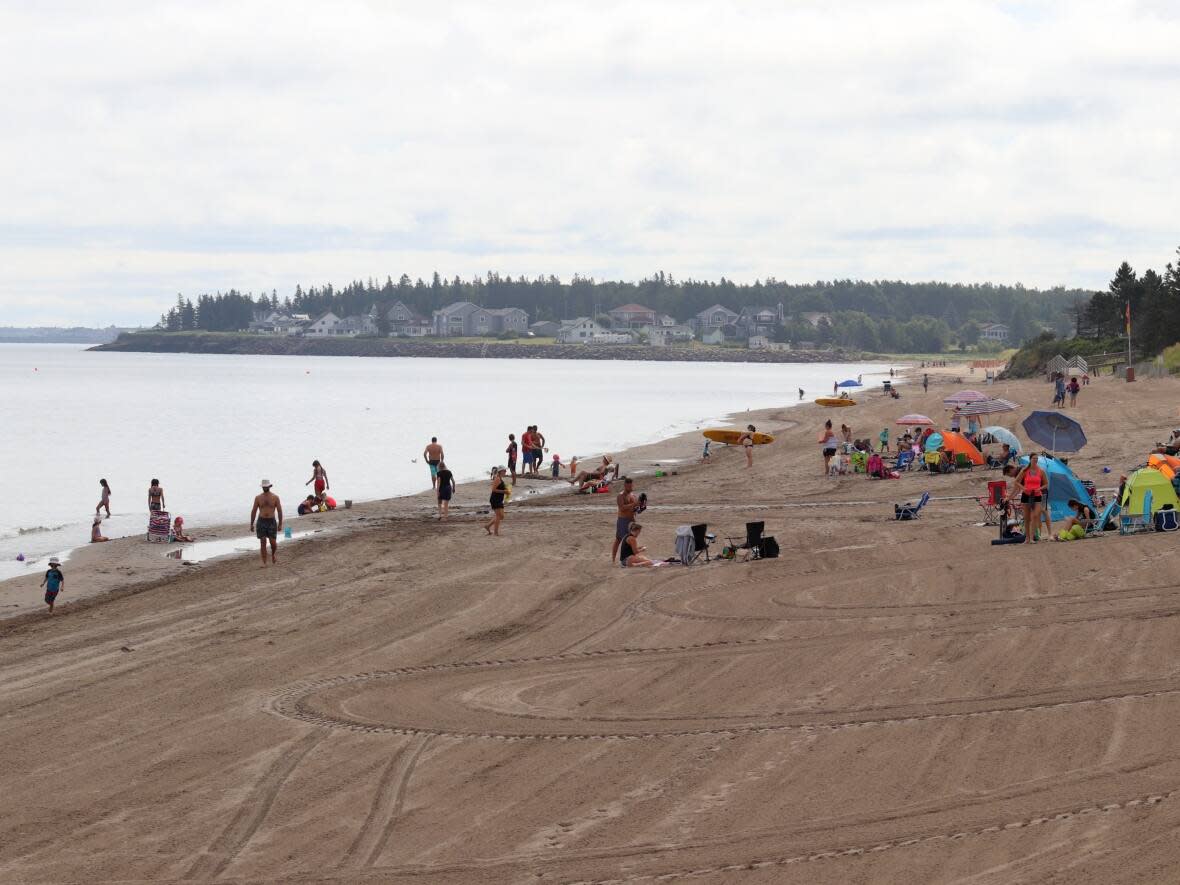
(632, 316)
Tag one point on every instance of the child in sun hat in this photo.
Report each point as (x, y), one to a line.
(53, 582)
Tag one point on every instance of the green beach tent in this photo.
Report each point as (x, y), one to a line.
(1140, 482)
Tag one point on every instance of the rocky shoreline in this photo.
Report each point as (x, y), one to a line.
(215, 342)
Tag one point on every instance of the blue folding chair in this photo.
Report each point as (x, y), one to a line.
(1132, 523)
(911, 511)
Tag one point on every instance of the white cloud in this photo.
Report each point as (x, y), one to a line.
(155, 147)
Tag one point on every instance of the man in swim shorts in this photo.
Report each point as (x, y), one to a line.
(267, 514)
(433, 453)
(626, 515)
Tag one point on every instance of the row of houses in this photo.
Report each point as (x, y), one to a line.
(713, 325)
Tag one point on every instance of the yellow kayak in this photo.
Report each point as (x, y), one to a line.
(733, 437)
(835, 401)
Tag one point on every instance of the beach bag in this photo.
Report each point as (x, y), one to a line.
(1167, 520)
(768, 549)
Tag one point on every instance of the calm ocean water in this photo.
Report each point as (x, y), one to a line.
(209, 427)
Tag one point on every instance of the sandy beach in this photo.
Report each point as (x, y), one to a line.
(408, 700)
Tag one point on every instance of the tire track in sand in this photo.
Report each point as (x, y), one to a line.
(371, 841)
(226, 847)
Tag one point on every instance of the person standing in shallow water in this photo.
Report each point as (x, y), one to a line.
(267, 512)
(433, 453)
(156, 496)
(105, 501)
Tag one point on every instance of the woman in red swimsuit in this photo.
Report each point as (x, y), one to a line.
(1034, 489)
(320, 477)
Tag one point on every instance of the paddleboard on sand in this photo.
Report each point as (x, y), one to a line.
(733, 437)
(832, 401)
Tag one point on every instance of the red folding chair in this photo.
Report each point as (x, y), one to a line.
(993, 504)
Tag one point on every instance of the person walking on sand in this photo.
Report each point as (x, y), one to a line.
(446, 488)
(1034, 489)
(156, 496)
(104, 502)
(627, 504)
(925, 384)
(827, 445)
(499, 493)
(433, 453)
(511, 453)
(320, 477)
(747, 441)
(54, 582)
(1073, 389)
(800, 394)
(268, 512)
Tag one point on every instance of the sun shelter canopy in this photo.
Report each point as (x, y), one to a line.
(933, 442)
(1054, 431)
(913, 420)
(848, 382)
(986, 407)
(1063, 486)
(1003, 435)
(963, 397)
(1057, 364)
(957, 444)
(1139, 483)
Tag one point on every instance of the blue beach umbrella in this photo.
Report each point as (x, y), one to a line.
(848, 383)
(1054, 431)
(1003, 435)
(1063, 486)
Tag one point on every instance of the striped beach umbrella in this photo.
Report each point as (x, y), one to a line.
(963, 397)
(987, 407)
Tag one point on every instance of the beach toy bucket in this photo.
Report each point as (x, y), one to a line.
(286, 531)
(348, 503)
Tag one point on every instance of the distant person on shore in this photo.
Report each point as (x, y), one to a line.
(54, 582)
(835, 387)
(526, 450)
(747, 441)
(705, 453)
(511, 453)
(538, 449)
(446, 488)
(631, 552)
(1073, 389)
(104, 502)
(800, 394)
(828, 445)
(268, 513)
(499, 492)
(320, 477)
(599, 474)
(178, 531)
(555, 466)
(433, 453)
(156, 496)
(1059, 391)
(883, 439)
(627, 502)
(96, 535)
(925, 383)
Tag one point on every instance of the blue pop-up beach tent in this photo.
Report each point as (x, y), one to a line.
(1063, 486)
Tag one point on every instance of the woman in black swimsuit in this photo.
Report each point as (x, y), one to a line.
(630, 551)
(499, 489)
(446, 488)
(747, 441)
(155, 496)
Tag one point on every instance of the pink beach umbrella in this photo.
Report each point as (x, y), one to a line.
(914, 420)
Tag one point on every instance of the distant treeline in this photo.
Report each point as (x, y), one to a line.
(881, 315)
(1154, 300)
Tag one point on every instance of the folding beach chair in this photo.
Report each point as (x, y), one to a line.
(997, 492)
(1111, 511)
(700, 543)
(753, 544)
(1131, 523)
(962, 462)
(909, 510)
(905, 460)
(932, 462)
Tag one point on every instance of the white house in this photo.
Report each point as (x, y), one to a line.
(325, 326)
(583, 330)
(993, 332)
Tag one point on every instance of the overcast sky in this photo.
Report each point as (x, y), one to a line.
(156, 148)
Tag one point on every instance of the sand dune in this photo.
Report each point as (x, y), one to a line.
(410, 701)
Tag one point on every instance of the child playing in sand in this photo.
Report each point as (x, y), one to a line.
(555, 468)
(96, 535)
(53, 582)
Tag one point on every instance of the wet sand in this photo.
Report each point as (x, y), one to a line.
(404, 700)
